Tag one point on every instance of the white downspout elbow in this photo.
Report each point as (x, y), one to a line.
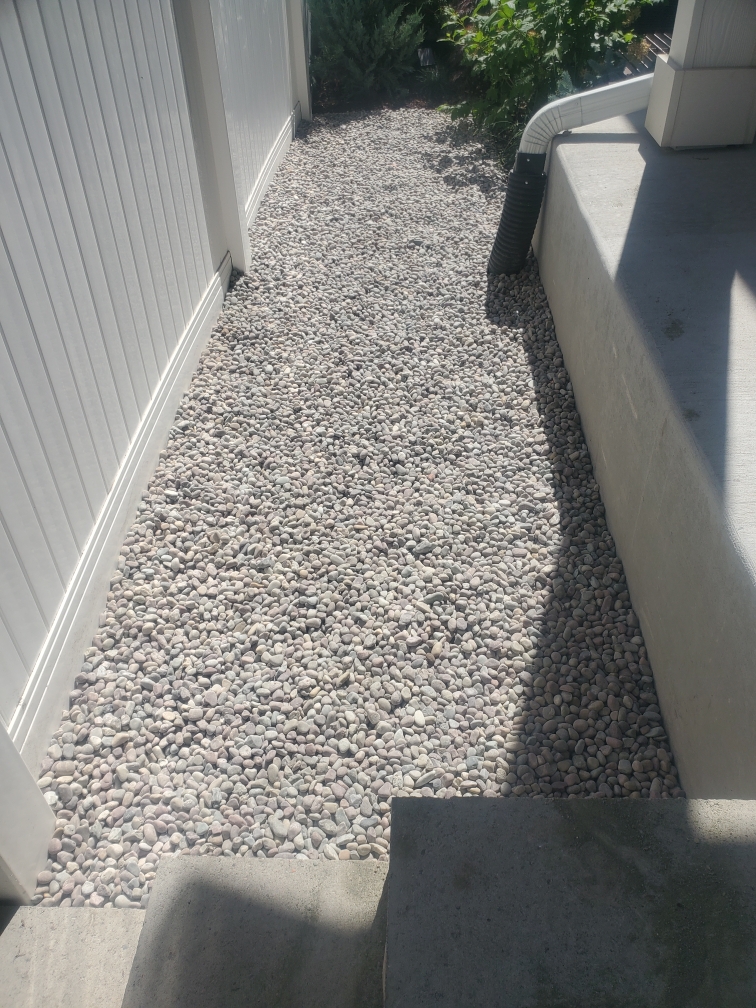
(527, 180)
(584, 108)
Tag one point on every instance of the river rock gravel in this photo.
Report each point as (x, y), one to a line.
(373, 559)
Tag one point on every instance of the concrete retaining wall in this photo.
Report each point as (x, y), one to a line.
(647, 257)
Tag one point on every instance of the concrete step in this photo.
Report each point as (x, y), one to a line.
(53, 958)
(233, 932)
(218, 933)
(613, 904)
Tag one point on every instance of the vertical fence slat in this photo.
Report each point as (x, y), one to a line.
(104, 258)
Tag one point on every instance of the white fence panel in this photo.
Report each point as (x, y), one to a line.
(104, 259)
(109, 286)
(253, 59)
(108, 283)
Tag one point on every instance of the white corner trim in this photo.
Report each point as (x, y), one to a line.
(272, 161)
(38, 713)
(26, 825)
(703, 106)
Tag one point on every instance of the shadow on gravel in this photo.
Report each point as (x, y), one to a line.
(590, 720)
(461, 169)
(464, 167)
(233, 935)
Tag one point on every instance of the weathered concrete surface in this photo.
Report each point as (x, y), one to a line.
(648, 258)
(53, 958)
(572, 904)
(233, 932)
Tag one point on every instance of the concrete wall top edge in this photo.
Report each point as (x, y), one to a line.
(676, 230)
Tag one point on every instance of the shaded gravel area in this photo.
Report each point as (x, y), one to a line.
(372, 561)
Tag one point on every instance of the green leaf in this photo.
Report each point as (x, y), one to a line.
(517, 53)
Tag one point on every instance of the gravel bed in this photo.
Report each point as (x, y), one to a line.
(372, 560)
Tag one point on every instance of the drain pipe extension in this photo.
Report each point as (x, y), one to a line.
(527, 180)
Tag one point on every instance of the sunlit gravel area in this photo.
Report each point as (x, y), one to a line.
(372, 561)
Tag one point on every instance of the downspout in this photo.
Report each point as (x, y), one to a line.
(527, 180)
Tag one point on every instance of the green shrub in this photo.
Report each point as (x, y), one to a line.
(362, 48)
(433, 15)
(517, 51)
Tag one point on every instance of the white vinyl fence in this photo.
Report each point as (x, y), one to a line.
(254, 61)
(137, 138)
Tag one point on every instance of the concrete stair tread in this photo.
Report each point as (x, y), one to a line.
(612, 904)
(228, 932)
(55, 958)
(218, 933)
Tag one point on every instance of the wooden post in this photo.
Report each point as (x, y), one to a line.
(704, 92)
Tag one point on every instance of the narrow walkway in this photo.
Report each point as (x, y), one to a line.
(372, 561)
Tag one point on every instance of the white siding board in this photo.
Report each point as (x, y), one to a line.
(127, 203)
(29, 239)
(48, 209)
(70, 126)
(28, 540)
(171, 222)
(125, 270)
(133, 166)
(20, 610)
(185, 180)
(22, 320)
(188, 278)
(120, 58)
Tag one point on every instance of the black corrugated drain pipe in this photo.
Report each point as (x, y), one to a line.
(522, 205)
(527, 180)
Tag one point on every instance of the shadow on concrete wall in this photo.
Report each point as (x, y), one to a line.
(577, 904)
(215, 939)
(673, 232)
(688, 249)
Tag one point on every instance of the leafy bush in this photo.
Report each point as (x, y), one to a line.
(362, 48)
(517, 51)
